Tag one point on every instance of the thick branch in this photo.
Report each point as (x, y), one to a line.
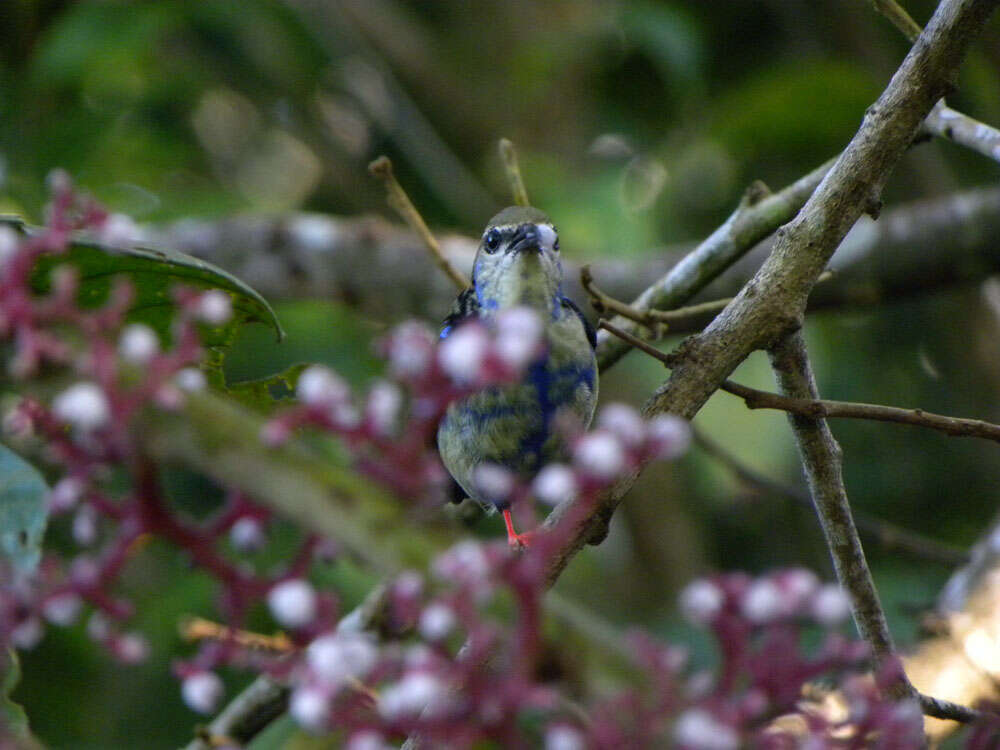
(771, 305)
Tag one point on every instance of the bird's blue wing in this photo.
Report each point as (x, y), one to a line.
(466, 306)
(588, 329)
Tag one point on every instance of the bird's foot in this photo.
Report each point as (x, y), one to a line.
(515, 540)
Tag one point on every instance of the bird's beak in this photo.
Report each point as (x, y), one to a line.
(525, 238)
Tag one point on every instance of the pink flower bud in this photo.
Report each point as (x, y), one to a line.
(337, 657)
(418, 693)
(519, 337)
(436, 621)
(697, 729)
(669, 436)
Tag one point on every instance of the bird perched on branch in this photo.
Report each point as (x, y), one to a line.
(513, 426)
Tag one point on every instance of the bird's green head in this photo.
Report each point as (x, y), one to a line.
(518, 261)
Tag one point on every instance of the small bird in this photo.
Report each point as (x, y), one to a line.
(517, 265)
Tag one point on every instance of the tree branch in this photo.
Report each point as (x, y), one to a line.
(822, 409)
(771, 305)
(821, 459)
(400, 201)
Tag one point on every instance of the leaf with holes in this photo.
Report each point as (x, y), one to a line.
(23, 511)
(154, 273)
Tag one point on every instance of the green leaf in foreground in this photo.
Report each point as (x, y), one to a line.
(13, 720)
(154, 273)
(23, 511)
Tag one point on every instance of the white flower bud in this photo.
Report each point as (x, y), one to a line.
(247, 534)
(563, 737)
(555, 484)
(119, 230)
(65, 494)
(625, 422)
(320, 386)
(763, 601)
(417, 693)
(202, 691)
(493, 481)
(310, 707)
(190, 379)
(436, 622)
(27, 634)
(337, 657)
(669, 436)
(215, 307)
(293, 603)
(367, 739)
(62, 609)
(411, 346)
(600, 454)
(831, 605)
(138, 344)
(10, 242)
(84, 406)
(697, 729)
(384, 402)
(519, 336)
(701, 601)
(131, 648)
(85, 526)
(461, 355)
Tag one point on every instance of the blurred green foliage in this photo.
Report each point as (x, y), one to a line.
(639, 123)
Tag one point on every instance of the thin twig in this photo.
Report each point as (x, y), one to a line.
(821, 459)
(509, 156)
(400, 201)
(942, 709)
(657, 321)
(899, 18)
(943, 121)
(197, 628)
(264, 700)
(822, 408)
(886, 535)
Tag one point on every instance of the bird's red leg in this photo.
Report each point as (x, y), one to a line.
(515, 540)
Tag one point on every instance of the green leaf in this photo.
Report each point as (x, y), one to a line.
(12, 716)
(23, 511)
(154, 273)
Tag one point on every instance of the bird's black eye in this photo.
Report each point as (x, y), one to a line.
(492, 240)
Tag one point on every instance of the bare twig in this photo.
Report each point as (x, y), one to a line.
(822, 408)
(886, 535)
(899, 18)
(753, 220)
(821, 459)
(198, 628)
(509, 156)
(400, 201)
(657, 321)
(942, 709)
(264, 700)
(943, 121)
